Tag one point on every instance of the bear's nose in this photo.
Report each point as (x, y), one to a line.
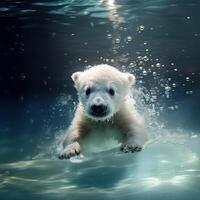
(99, 109)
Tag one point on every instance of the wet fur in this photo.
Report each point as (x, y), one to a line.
(123, 124)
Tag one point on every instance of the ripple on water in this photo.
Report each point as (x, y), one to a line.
(160, 165)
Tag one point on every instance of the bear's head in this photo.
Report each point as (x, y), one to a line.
(102, 90)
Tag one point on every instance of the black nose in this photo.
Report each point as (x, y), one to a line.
(99, 110)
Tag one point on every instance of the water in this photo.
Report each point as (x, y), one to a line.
(43, 42)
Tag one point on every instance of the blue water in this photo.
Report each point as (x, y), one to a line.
(43, 42)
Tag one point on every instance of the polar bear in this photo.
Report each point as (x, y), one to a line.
(106, 107)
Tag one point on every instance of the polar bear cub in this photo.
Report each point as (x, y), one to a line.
(105, 106)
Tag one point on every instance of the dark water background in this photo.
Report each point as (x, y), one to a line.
(43, 42)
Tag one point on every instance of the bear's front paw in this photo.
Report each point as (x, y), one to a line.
(70, 151)
(127, 148)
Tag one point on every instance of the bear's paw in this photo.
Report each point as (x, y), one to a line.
(70, 150)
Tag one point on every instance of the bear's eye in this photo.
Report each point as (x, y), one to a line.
(88, 91)
(111, 91)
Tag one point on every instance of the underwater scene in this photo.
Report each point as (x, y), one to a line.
(43, 42)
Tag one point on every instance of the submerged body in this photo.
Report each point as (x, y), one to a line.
(105, 111)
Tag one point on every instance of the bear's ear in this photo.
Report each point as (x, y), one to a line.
(76, 76)
(131, 78)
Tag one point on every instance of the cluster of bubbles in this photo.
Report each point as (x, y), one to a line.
(157, 81)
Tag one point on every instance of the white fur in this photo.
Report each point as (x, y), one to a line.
(122, 123)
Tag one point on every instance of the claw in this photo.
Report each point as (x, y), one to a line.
(70, 151)
(126, 148)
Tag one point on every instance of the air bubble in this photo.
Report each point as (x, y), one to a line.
(153, 98)
(187, 78)
(145, 58)
(173, 84)
(140, 81)
(171, 108)
(112, 60)
(176, 106)
(129, 38)
(158, 65)
(131, 65)
(117, 40)
(92, 24)
(189, 92)
(141, 27)
(141, 62)
(167, 88)
(144, 72)
(22, 76)
(109, 36)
